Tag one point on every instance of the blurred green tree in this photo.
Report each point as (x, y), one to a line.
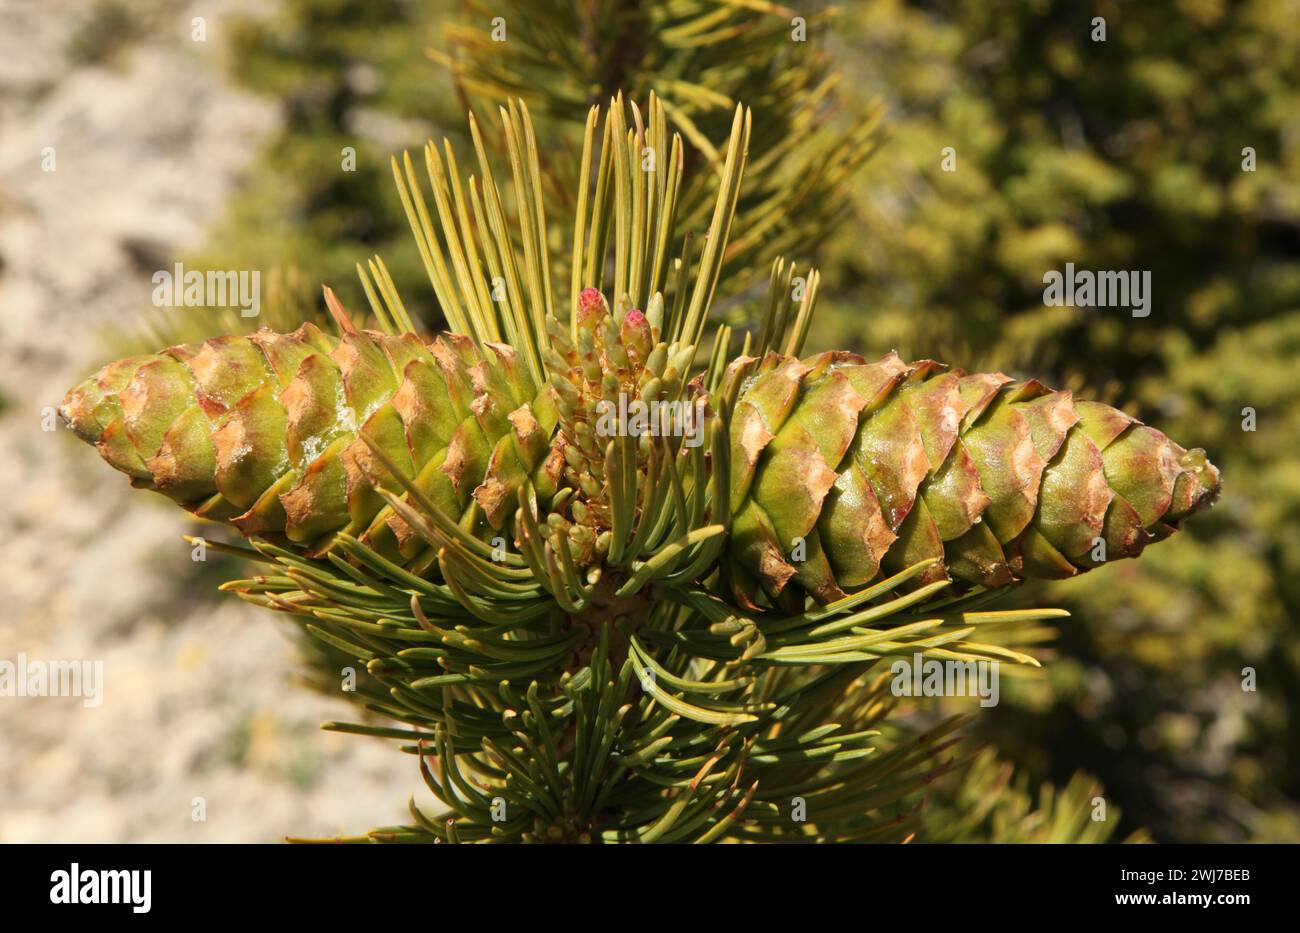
(1170, 147)
(354, 85)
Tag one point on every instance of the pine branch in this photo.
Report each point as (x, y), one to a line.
(611, 634)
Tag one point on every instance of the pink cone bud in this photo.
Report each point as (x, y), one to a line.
(635, 334)
(591, 308)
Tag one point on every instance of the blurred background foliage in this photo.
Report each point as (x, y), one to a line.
(991, 801)
(1122, 154)
(355, 86)
(1125, 154)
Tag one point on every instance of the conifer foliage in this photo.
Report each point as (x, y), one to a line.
(675, 632)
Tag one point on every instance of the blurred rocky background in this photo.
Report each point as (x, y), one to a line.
(150, 138)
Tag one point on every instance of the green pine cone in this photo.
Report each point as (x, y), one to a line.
(844, 471)
(265, 431)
